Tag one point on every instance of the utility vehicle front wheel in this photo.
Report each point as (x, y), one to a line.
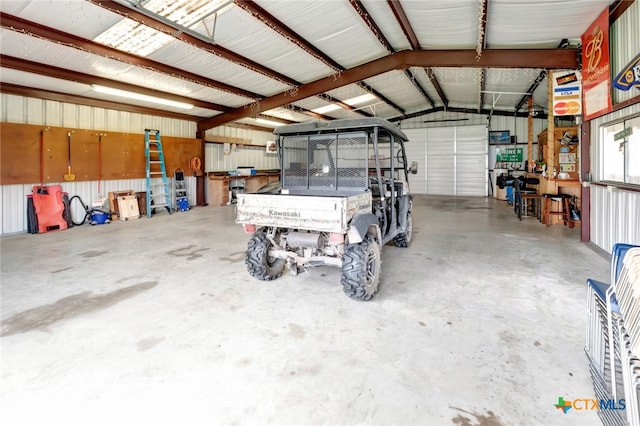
(361, 269)
(404, 239)
(260, 263)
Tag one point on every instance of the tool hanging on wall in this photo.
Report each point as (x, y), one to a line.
(100, 206)
(100, 135)
(42, 155)
(69, 176)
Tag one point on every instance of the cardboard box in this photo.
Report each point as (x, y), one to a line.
(128, 207)
(113, 202)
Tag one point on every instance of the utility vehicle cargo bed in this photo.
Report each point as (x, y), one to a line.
(324, 214)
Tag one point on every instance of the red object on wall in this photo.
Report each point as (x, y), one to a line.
(596, 69)
(49, 206)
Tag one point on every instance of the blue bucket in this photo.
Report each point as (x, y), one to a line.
(99, 218)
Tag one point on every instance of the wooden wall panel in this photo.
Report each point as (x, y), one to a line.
(121, 154)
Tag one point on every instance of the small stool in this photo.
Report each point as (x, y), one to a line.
(563, 212)
(521, 202)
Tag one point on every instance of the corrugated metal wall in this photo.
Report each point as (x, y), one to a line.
(18, 109)
(615, 213)
(471, 160)
(625, 45)
(615, 217)
(13, 200)
(415, 150)
(517, 126)
(241, 155)
(451, 160)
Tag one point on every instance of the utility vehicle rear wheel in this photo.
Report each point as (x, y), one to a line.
(260, 263)
(361, 269)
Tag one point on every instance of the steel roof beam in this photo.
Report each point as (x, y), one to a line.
(300, 110)
(343, 105)
(375, 29)
(314, 88)
(436, 84)
(18, 24)
(268, 129)
(272, 22)
(539, 79)
(373, 26)
(482, 28)
(276, 119)
(499, 58)
(493, 58)
(418, 86)
(31, 92)
(403, 20)
(179, 32)
(405, 25)
(563, 44)
(380, 96)
(65, 74)
(482, 88)
(482, 111)
(617, 8)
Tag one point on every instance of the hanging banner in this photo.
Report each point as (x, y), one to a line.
(596, 74)
(629, 76)
(567, 89)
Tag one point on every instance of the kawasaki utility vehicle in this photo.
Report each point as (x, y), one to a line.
(343, 194)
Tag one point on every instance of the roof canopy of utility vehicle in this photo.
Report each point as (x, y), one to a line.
(316, 127)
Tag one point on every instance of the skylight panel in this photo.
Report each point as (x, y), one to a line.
(137, 38)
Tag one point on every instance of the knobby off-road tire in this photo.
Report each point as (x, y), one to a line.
(404, 239)
(259, 264)
(361, 269)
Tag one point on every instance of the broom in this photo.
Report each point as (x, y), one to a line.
(69, 175)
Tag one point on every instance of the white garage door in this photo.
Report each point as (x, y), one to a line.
(471, 160)
(440, 159)
(415, 150)
(451, 160)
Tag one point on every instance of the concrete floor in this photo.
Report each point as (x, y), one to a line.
(156, 321)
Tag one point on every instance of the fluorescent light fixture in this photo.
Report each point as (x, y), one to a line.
(269, 122)
(353, 101)
(360, 99)
(326, 108)
(139, 97)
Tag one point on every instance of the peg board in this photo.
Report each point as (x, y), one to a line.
(122, 154)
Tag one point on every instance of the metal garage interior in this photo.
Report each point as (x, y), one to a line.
(481, 321)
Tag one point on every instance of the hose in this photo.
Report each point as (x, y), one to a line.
(195, 164)
(87, 213)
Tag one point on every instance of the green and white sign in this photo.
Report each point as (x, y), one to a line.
(510, 155)
(623, 134)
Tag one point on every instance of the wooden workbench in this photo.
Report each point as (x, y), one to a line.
(219, 185)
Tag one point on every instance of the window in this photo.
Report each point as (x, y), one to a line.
(620, 151)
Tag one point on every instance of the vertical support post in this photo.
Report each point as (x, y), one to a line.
(551, 156)
(530, 135)
(585, 169)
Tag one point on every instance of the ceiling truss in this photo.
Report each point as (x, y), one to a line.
(427, 60)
